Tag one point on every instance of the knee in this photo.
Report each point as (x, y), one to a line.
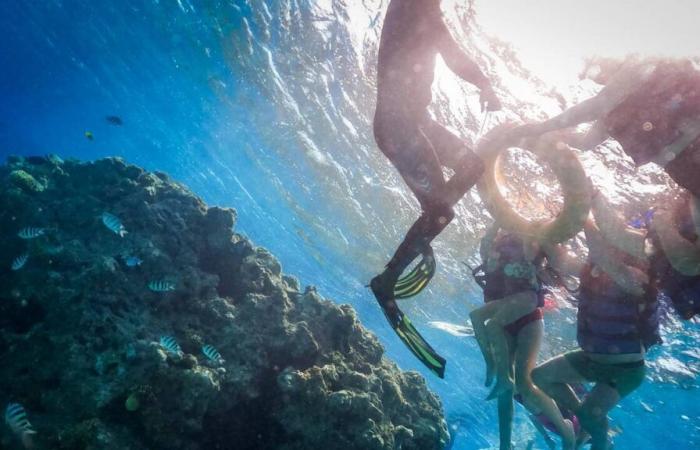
(493, 327)
(538, 376)
(469, 162)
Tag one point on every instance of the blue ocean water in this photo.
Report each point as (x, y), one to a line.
(266, 106)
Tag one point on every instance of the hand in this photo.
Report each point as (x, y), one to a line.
(488, 100)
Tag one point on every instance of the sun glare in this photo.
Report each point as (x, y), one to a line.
(552, 37)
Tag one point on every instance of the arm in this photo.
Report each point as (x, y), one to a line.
(597, 134)
(456, 59)
(586, 111)
(461, 64)
(617, 89)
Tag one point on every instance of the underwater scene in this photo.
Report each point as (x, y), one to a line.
(349, 224)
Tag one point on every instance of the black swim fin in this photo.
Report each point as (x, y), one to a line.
(411, 337)
(417, 279)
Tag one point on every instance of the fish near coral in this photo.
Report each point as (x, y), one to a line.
(19, 261)
(16, 419)
(161, 286)
(212, 354)
(113, 224)
(170, 345)
(31, 232)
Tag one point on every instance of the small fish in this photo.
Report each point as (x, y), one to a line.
(16, 419)
(114, 120)
(132, 261)
(212, 354)
(161, 286)
(89, 136)
(170, 345)
(31, 232)
(19, 261)
(113, 223)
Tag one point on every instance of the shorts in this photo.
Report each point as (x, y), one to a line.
(514, 328)
(623, 377)
(419, 148)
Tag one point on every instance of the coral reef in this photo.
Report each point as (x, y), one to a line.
(80, 329)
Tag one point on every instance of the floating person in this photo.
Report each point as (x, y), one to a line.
(412, 36)
(509, 329)
(89, 136)
(617, 323)
(114, 120)
(650, 106)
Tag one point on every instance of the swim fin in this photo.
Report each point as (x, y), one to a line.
(417, 279)
(412, 338)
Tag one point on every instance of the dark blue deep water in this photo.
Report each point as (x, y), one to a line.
(265, 106)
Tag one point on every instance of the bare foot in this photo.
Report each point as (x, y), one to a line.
(568, 438)
(502, 386)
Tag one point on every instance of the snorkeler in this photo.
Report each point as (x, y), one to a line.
(650, 106)
(617, 324)
(509, 330)
(413, 34)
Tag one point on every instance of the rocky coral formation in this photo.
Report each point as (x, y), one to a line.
(80, 329)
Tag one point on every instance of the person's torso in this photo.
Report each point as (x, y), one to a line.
(406, 60)
(508, 271)
(611, 321)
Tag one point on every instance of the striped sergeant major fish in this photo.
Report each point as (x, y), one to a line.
(19, 261)
(161, 286)
(31, 232)
(212, 354)
(16, 419)
(113, 223)
(170, 345)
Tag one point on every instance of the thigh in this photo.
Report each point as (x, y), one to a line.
(419, 168)
(528, 343)
(484, 312)
(558, 370)
(513, 307)
(451, 150)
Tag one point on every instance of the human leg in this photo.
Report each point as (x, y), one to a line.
(613, 382)
(453, 152)
(505, 420)
(594, 414)
(478, 318)
(527, 347)
(555, 377)
(509, 310)
(414, 158)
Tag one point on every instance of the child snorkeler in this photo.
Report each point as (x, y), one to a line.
(509, 330)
